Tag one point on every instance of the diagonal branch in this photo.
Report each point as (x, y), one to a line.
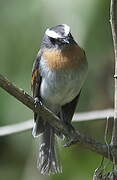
(27, 100)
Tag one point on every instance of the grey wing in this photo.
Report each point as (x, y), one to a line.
(35, 85)
(36, 78)
(67, 111)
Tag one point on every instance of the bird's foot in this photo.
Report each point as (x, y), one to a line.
(37, 102)
(74, 136)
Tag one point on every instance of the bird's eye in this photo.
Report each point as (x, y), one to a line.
(52, 40)
(69, 35)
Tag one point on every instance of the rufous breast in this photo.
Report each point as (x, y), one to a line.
(68, 58)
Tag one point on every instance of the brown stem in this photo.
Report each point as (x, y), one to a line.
(80, 138)
(113, 20)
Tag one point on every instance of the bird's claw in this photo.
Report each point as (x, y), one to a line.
(37, 102)
(72, 141)
(74, 136)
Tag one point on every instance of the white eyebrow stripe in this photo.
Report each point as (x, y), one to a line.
(66, 29)
(52, 34)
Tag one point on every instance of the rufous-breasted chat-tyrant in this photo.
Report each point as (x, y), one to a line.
(58, 74)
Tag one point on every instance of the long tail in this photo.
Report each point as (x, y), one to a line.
(48, 161)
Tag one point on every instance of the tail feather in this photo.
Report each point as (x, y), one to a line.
(38, 126)
(48, 161)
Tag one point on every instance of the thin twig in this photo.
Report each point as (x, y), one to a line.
(93, 115)
(16, 128)
(78, 117)
(113, 20)
(27, 100)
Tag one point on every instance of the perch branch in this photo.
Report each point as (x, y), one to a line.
(27, 100)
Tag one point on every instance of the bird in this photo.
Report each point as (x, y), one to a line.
(58, 74)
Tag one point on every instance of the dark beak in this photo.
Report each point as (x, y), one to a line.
(65, 40)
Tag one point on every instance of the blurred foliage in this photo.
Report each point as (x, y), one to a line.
(22, 25)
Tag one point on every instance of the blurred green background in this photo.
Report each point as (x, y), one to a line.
(22, 25)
